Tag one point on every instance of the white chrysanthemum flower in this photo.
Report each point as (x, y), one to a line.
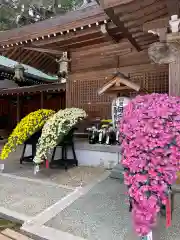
(55, 129)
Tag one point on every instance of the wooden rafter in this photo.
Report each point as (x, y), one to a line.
(28, 57)
(44, 50)
(120, 25)
(10, 55)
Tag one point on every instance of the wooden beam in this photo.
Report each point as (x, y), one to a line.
(82, 43)
(18, 109)
(156, 24)
(105, 51)
(135, 30)
(158, 27)
(146, 37)
(133, 6)
(113, 3)
(71, 36)
(115, 19)
(174, 73)
(42, 100)
(173, 7)
(140, 21)
(120, 88)
(146, 42)
(138, 34)
(105, 31)
(35, 88)
(144, 11)
(44, 50)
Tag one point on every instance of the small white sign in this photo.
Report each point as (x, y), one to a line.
(148, 237)
(36, 169)
(1, 167)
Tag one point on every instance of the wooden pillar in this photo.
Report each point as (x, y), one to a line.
(18, 109)
(174, 77)
(42, 100)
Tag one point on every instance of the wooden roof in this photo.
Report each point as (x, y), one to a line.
(30, 72)
(40, 60)
(128, 16)
(110, 20)
(133, 14)
(33, 89)
(117, 83)
(42, 42)
(75, 19)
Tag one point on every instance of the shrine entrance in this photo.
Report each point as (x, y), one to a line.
(14, 107)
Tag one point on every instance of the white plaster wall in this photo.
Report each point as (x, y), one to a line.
(88, 157)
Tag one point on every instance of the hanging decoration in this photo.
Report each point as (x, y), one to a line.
(19, 72)
(63, 66)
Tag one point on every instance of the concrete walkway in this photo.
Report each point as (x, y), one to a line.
(83, 203)
(98, 211)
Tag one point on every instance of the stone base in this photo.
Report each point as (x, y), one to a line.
(91, 154)
(117, 172)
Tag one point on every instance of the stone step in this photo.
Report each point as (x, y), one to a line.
(2, 237)
(11, 234)
(117, 172)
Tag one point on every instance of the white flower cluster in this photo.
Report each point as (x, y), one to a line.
(55, 129)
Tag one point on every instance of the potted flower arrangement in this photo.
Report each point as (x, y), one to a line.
(27, 127)
(55, 129)
(151, 151)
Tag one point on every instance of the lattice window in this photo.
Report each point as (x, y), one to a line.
(83, 89)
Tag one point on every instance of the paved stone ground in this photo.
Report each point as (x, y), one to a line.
(28, 198)
(99, 214)
(74, 177)
(102, 214)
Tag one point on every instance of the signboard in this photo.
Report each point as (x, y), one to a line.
(118, 105)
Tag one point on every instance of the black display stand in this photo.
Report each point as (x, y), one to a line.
(33, 142)
(65, 144)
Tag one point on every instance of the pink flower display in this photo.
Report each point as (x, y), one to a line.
(150, 129)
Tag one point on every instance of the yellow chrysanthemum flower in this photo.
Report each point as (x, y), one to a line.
(30, 124)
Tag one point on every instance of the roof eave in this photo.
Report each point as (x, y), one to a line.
(67, 22)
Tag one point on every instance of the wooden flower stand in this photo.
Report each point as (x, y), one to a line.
(31, 141)
(65, 144)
